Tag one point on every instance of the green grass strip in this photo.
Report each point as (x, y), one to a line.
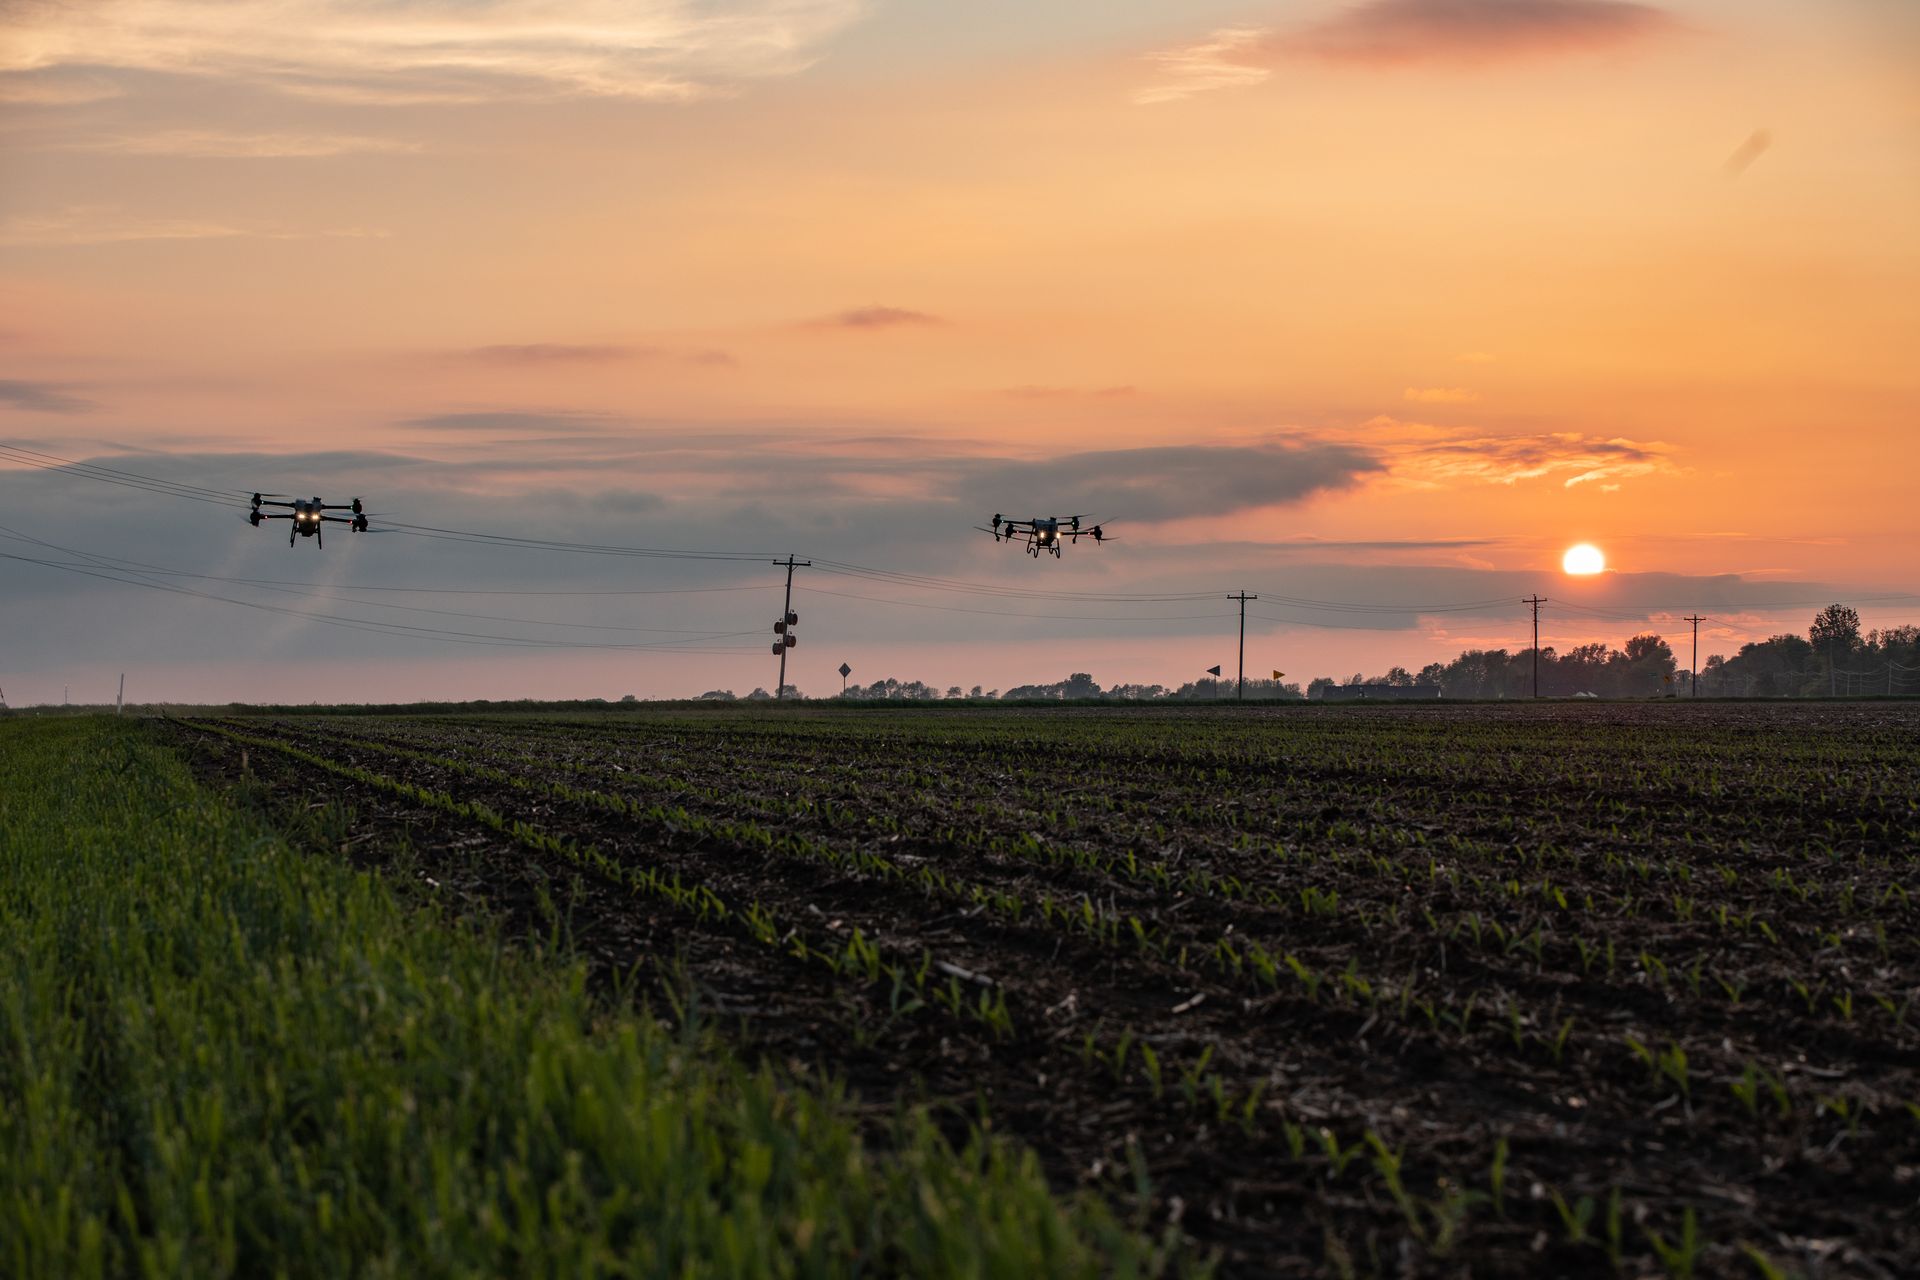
(221, 1057)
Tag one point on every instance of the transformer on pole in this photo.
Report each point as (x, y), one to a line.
(784, 639)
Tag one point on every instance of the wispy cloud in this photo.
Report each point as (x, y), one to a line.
(1169, 482)
(55, 88)
(1221, 61)
(1386, 32)
(1440, 395)
(875, 318)
(1379, 544)
(1393, 32)
(91, 226)
(506, 421)
(210, 144)
(40, 397)
(439, 49)
(1431, 456)
(447, 91)
(1038, 392)
(528, 354)
(954, 479)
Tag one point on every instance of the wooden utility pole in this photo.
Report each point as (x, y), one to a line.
(1693, 681)
(1536, 601)
(1243, 597)
(784, 638)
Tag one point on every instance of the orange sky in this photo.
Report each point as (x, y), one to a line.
(1464, 283)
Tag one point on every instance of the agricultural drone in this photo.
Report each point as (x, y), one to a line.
(307, 514)
(1043, 533)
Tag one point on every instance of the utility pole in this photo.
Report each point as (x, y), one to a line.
(783, 629)
(1693, 681)
(1536, 601)
(120, 700)
(1243, 597)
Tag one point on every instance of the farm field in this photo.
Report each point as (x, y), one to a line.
(1492, 990)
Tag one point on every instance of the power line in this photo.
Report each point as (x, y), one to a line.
(219, 497)
(963, 587)
(310, 592)
(111, 475)
(572, 548)
(1643, 610)
(128, 577)
(1012, 613)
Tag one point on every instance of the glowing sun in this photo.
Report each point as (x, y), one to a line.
(1583, 559)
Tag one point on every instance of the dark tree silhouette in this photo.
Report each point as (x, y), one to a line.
(1836, 629)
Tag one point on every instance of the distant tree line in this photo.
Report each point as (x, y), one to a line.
(1644, 668)
(1833, 658)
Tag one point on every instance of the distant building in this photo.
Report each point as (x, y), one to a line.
(1379, 692)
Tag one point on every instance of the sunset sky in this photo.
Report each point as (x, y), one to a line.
(1371, 308)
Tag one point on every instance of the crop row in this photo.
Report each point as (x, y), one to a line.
(1244, 960)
